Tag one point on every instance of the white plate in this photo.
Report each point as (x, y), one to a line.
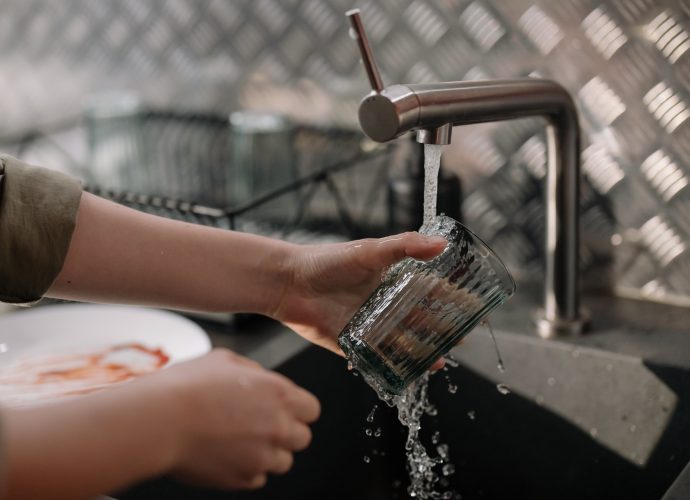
(58, 339)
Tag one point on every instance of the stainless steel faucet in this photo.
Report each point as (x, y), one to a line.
(433, 109)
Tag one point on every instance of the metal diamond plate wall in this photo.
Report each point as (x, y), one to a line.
(627, 63)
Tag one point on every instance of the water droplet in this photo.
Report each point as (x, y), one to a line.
(431, 410)
(370, 417)
(503, 389)
(633, 428)
(442, 450)
(368, 432)
(551, 381)
(353, 34)
(435, 437)
(367, 459)
(430, 477)
(448, 495)
(377, 433)
(501, 366)
(451, 361)
(593, 432)
(452, 388)
(471, 414)
(448, 469)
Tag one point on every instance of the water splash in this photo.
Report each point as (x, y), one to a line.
(411, 405)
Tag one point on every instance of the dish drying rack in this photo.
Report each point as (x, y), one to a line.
(337, 192)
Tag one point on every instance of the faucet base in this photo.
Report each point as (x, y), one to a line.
(552, 328)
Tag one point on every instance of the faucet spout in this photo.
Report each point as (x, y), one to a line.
(432, 109)
(436, 135)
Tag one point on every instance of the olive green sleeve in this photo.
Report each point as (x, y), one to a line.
(3, 465)
(38, 210)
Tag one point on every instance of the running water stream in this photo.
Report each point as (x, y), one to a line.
(432, 163)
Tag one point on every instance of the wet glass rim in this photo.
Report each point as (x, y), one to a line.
(503, 268)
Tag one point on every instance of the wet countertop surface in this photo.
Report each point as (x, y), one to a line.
(651, 331)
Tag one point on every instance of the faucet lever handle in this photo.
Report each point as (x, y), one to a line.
(357, 32)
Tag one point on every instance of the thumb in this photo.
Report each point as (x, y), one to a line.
(383, 252)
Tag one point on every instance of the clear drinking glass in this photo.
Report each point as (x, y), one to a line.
(117, 149)
(263, 159)
(422, 309)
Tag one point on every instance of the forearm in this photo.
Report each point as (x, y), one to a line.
(120, 255)
(93, 445)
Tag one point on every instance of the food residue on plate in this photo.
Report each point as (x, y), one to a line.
(40, 379)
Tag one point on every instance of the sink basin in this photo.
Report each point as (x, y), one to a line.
(601, 416)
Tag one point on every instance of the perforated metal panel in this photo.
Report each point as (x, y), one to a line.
(627, 63)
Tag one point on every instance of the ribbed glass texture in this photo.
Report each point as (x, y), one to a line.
(423, 308)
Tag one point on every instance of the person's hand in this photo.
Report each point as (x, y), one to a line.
(220, 420)
(237, 421)
(330, 282)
